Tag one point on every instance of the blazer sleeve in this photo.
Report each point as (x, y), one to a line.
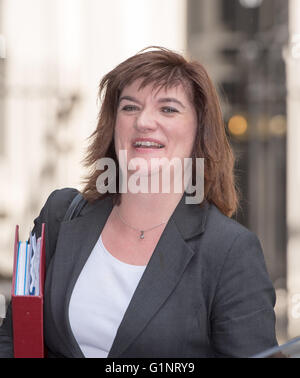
(243, 319)
(51, 214)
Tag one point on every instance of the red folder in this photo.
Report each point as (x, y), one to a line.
(27, 312)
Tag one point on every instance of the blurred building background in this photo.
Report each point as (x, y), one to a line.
(241, 43)
(52, 56)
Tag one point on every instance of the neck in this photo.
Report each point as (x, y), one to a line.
(147, 210)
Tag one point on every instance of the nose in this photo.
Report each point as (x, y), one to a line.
(146, 121)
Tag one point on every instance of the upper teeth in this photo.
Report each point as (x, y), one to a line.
(148, 144)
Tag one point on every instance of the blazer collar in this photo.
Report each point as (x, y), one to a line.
(164, 270)
(190, 219)
(195, 214)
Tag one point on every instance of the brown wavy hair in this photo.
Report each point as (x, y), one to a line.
(162, 67)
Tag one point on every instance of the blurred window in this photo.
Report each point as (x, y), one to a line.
(241, 44)
(2, 84)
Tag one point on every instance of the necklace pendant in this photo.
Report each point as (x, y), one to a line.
(142, 235)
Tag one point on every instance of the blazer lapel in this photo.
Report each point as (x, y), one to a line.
(164, 270)
(76, 241)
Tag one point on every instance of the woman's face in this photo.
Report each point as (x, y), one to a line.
(165, 117)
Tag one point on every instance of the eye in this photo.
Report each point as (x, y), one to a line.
(169, 110)
(130, 108)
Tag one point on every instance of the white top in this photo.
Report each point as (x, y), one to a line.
(99, 300)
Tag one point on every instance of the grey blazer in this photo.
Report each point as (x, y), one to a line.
(204, 293)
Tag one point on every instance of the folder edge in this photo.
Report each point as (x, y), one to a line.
(35, 302)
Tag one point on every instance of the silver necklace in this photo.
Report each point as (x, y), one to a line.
(142, 232)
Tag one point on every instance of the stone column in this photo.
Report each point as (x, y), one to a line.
(292, 56)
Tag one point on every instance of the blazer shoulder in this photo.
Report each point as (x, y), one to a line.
(223, 225)
(57, 204)
(52, 213)
(223, 234)
(61, 198)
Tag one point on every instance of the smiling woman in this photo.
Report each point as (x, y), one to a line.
(183, 91)
(149, 274)
(155, 124)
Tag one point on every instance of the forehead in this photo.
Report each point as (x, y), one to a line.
(157, 90)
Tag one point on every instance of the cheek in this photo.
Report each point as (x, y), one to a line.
(192, 128)
(117, 138)
(122, 125)
(122, 135)
(187, 132)
(188, 136)
(119, 132)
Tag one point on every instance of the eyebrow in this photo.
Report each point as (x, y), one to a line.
(161, 100)
(171, 99)
(129, 98)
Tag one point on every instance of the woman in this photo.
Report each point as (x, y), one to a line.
(143, 274)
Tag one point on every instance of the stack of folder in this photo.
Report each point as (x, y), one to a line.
(27, 296)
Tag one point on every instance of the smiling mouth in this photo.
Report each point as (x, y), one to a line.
(148, 145)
